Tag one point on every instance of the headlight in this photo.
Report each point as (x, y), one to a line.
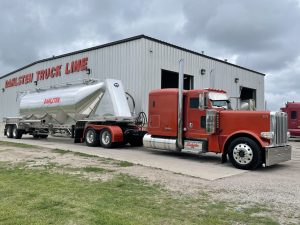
(267, 135)
(288, 134)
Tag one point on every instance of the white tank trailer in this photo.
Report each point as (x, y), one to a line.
(81, 111)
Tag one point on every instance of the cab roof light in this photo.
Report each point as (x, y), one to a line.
(215, 90)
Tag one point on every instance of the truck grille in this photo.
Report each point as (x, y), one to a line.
(279, 128)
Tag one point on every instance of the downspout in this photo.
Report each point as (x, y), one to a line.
(180, 106)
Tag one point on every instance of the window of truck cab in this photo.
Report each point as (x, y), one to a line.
(194, 103)
(293, 115)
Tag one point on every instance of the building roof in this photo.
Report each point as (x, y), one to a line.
(124, 41)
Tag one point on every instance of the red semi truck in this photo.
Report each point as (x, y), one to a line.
(200, 121)
(292, 109)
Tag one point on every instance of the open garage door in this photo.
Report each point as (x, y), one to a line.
(169, 79)
(247, 95)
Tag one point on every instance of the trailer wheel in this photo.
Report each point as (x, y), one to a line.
(91, 137)
(9, 133)
(106, 138)
(245, 153)
(16, 133)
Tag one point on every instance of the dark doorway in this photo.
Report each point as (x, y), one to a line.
(248, 93)
(169, 79)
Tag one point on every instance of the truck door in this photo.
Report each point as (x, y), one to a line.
(294, 122)
(194, 118)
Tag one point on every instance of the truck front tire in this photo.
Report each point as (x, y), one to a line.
(91, 137)
(244, 153)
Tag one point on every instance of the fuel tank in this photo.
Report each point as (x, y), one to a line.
(71, 103)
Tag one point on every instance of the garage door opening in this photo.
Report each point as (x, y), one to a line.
(169, 79)
(248, 93)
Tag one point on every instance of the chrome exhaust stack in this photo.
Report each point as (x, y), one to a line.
(180, 106)
(174, 143)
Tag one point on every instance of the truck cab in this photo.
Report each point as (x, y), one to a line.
(248, 138)
(292, 109)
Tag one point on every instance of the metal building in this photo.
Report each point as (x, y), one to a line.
(142, 63)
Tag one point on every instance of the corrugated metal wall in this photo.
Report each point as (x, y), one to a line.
(138, 65)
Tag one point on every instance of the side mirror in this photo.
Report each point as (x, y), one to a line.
(202, 101)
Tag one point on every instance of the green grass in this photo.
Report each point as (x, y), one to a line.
(124, 163)
(30, 196)
(95, 169)
(60, 151)
(84, 155)
(18, 145)
(63, 152)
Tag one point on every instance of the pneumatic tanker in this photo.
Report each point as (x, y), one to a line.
(73, 110)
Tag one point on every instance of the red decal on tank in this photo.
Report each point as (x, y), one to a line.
(49, 101)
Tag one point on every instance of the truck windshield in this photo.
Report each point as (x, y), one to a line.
(219, 100)
(221, 104)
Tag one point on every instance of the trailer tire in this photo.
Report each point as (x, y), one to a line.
(16, 133)
(91, 137)
(106, 138)
(244, 153)
(9, 133)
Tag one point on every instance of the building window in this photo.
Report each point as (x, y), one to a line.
(293, 115)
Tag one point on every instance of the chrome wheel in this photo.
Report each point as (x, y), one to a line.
(106, 137)
(242, 154)
(15, 132)
(9, 132)
(90, 136)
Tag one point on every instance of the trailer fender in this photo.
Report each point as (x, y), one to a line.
(242, 133)
(116, 131)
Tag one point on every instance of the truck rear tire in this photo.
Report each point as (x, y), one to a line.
(16, 133)
(91, 137)
(106, 138)
(9, 131)
(244, 153)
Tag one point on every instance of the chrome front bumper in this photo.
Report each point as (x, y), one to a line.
(276, 155)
